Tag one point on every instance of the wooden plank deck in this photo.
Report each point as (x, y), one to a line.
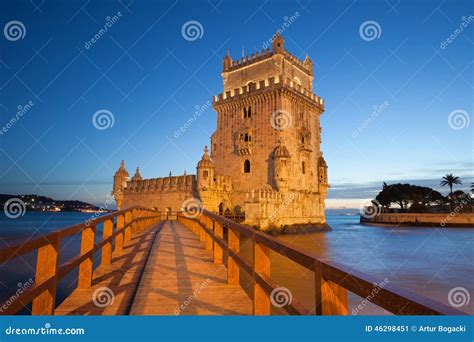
(181, 278)
(163, 271)
(121, 277)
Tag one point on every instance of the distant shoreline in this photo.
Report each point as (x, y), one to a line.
(430, 220)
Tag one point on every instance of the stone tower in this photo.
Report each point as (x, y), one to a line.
(120, 183)
(268, 138)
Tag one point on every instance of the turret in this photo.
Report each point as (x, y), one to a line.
(281, 158)
(120, 183)
(137, 176)
(308, 64)
(322, 172)
(227, 62)
(205, 171)
(278, 44)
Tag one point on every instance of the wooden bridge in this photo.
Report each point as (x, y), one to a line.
(187, 263)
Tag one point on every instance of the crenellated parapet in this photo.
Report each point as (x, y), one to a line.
(272, 83)
(185, 183)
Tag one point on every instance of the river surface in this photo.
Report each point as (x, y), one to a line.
(426, 261)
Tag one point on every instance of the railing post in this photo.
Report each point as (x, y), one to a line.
(108, 230)
(119, 236)
(261, 265)
(219, 233)
(46, 268)
(334, 298)
(135, 223)
(128, 230)
(209, 239)
(86, 267)
(233, 242)
(318, 282)
(202, 233)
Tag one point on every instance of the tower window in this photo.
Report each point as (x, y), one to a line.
(247, 137)
(303, 167)
(247, 166)
(247, 112)
(205, 174)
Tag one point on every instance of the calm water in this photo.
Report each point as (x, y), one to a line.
(426, 261)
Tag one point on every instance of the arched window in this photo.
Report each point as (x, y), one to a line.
(247, 137)
(247, 112)
(247, 166)
(303, 167)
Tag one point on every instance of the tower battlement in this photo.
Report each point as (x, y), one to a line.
(163, 184)
(268, 84)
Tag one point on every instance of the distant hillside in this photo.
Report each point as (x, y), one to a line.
(42, 203)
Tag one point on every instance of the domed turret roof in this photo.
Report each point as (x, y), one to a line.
(121, 171)
(137, 176)
(322, 162)
(281, 151)
(206, 161)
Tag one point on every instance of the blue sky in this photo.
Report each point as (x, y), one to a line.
(398, 104)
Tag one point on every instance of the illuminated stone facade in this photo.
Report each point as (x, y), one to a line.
(265, 161)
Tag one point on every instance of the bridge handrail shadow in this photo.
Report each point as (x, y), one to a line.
(332, 280)
(119, 225)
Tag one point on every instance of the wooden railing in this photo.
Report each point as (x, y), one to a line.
(332, 280)
(118, 229)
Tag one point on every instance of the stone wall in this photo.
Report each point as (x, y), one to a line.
(424, 219)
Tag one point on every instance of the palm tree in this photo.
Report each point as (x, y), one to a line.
(450, 180)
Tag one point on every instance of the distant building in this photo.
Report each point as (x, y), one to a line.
(265, 162)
